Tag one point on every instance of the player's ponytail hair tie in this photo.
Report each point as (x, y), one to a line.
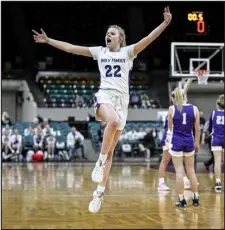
(122, 35)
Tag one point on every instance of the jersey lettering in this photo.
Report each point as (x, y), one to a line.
(184, 122)
(220, 120)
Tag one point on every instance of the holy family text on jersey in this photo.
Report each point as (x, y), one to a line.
(113, 60)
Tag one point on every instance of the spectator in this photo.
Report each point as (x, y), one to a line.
(149, 143)
(202, 123)
(141, 133)
(207, 138)
(49, 143)
(132, 135)
(16, 142)
(35, 124)
(6, 145)
(48, 129)
(45, 123)
(74, 142)
(135, 100)
(38, 140)
(6, 119)
(37, 153)
(7, 127)
(123, 135)
(80, 101)
(29, 131)
(145, 103)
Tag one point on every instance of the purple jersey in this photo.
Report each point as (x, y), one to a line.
(182, 135)
(163, 142)
(216, 127)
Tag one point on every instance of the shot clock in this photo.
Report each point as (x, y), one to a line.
(197, 18)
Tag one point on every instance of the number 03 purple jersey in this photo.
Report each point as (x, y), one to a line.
(182, 133)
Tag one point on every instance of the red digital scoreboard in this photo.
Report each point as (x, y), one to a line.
(197, 19)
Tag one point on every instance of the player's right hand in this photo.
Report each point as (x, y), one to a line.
(40, 38)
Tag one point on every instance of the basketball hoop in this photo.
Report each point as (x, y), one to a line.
(202, 76)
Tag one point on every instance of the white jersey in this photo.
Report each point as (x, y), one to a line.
(114, 67)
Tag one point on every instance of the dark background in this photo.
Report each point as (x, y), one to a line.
(85, 23)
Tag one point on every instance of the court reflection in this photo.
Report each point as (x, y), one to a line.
(51, 195)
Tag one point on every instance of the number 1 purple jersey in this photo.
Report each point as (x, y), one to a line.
(182, 133)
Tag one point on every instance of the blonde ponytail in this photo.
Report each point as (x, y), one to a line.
(178, 98)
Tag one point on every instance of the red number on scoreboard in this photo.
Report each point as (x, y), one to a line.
(201, 27)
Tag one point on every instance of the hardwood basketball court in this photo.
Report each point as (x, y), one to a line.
(56, 195)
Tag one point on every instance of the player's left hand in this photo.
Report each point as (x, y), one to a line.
(167, 15)
(197, 147)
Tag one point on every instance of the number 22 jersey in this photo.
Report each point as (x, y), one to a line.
(114, 67)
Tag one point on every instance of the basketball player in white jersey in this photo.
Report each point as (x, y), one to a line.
(111, 101)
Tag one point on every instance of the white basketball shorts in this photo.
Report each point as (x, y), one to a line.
(119, 102)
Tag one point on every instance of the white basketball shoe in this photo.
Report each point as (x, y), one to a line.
(97, 173)
(95, 204)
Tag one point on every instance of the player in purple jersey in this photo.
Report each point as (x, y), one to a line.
(216, 128)
(112, 100)
(181, 119)
(166, 157)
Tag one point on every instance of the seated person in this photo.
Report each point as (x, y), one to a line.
(132, 135)
(49, 143)
(135, 100)
(7, 127)
(47, 128)
(145, 103)
(149, 142)
(74, 142)
(29, 131)
(16, 142)
(141, 133)
(37, 153)
(35, 124)
(7, 150)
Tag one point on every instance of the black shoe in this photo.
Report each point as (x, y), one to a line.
(181, 203)
(195, 202)
(218, 187)
(206, 166)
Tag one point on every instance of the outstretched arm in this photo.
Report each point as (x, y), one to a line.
(142, 44)
(67, 47)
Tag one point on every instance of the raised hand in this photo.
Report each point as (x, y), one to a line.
(40, 38)
(167, 15)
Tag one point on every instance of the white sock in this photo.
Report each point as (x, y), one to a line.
(185, 179)
(102, 158)
(218, 180)
(181, 197)
(195, 195)
(161, 180)
(100, 189)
